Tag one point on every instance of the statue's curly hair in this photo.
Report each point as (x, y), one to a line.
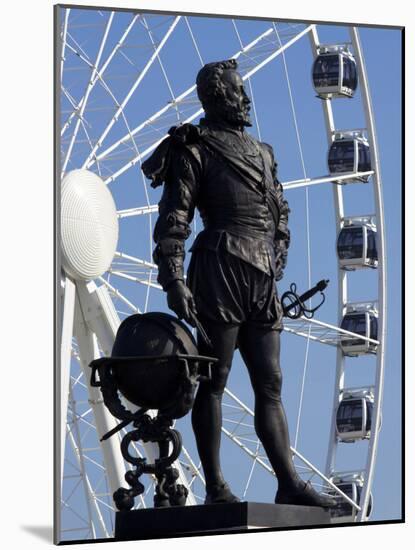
(209, 83)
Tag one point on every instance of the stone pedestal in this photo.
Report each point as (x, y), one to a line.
(214, 519)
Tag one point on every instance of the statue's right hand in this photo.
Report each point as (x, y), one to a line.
(180, 300)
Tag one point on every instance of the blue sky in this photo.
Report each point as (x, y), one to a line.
(382, 53)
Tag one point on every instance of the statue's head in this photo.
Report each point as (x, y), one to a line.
(221, 91)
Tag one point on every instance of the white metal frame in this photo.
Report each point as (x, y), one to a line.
(377, 185)
(342, 278)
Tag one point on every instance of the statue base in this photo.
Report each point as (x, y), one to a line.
(212, 519)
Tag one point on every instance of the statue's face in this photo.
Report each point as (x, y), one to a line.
(236, 97)
(234, 106)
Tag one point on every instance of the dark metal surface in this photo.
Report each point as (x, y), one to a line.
(230, 292)
(154, 365)
(214, 519)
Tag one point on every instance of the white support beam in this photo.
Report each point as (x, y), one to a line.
(104, 421)
(323, 332)
(100, 318)
(64, 373)
(343, 179)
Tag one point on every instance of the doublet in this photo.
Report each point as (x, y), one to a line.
(231, 178)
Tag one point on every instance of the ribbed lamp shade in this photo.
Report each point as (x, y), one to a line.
(89, 225)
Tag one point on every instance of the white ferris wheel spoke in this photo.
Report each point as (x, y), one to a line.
(322, 332)
(138, 211)
(135, 260)
(64, 31)
(83, 124)
(131, 92)
(249, 84)
(247, 75)
(194, 41)
(191, 90)
(173, 104)
(134, 279)
(88, 90)
(99, 75)
(300, 150)
(119, 295)
(344, 178)
(166, 78)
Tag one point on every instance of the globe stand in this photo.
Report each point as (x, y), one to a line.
(183, 371)
(168, 492)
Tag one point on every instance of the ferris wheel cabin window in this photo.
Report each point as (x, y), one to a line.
(326, 71)
(342, 157)
(372, 252)
(349, 73)
(364, 164)
(350, 243)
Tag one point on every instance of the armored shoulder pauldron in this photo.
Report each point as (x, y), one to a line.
(156, 166)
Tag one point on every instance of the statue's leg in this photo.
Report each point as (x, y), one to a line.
(207, 409)
(260, 350)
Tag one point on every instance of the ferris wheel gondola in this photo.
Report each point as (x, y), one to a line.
(360, 319)
(349, 153)
(356, 243)
(334, 72)
(351, 484)
(354, 414)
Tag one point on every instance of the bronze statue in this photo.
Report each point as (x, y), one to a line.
(217, 167)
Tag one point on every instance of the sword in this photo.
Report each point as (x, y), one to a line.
(293, 305)
(201, 330)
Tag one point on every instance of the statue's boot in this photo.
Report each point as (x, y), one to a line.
(304, 495)
(218, 493)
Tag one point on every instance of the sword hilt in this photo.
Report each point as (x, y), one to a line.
(297, 303)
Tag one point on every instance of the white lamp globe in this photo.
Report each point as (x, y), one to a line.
(89, 225)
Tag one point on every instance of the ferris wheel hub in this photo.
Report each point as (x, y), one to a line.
(89, 225)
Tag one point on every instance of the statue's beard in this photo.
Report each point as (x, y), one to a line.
(226, 111)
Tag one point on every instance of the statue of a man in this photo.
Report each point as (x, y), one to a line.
(231, 178)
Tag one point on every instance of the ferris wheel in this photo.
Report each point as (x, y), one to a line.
(121, 86)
